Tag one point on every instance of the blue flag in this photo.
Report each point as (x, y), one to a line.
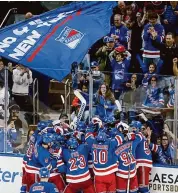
(51, 42)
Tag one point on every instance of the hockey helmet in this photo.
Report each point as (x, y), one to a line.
(48, 138)
(44, 172)
(96, 120)
(101, 137)
(122, 127)
(60, 139)
(41, 125)
(136, 124)
(81, 126)
(56, 122)
(114, 132)
(72, 143)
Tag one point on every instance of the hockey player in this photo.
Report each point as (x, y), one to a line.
(58, 166)
(36, 136)
(40, 158)
(77, 174)
(43, 185)
(126, 179)
(104, 164)
(80, 133)
(143, 158)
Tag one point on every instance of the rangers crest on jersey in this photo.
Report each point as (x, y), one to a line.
(70, 37)
(46, 160)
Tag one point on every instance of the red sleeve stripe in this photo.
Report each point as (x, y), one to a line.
(88, 135)
(60, 163)
(32, 168)
(119, 139)
(140, 135)
(155, 148)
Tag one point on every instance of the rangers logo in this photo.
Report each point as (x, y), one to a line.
(46, 160)
(70, 37)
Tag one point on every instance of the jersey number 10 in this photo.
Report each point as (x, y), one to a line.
(100, 157)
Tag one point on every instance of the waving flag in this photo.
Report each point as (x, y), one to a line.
(51, 42)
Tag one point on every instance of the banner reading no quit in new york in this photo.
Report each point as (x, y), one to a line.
(163, 180)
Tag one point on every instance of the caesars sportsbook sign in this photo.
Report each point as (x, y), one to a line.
(163, 180)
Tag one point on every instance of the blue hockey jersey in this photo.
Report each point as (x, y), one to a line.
(119, 73)
(154, 97)
(143, 153)
(40, 158)
(163, 156)
(77, 164)
(102, 155)
(149, 50)
(147, 78)
(102, 112)
(45, 187)
(171, 101)
(126, 155)
(123, 34)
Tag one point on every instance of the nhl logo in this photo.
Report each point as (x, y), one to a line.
(70, 37)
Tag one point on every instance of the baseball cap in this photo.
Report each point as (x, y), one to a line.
(94, 64)
(108, 39)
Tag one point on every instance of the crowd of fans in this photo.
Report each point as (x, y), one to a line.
(138, 58)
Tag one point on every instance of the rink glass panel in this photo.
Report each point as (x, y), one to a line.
(45, 102)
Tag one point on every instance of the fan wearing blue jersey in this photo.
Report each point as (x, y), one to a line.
(77, 174)
(43, 185)
(165, 152)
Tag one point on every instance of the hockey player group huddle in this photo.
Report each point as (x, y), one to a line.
(94, 158)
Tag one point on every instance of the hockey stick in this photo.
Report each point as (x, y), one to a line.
(129, 158)
(62, 98)
(81, 110)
